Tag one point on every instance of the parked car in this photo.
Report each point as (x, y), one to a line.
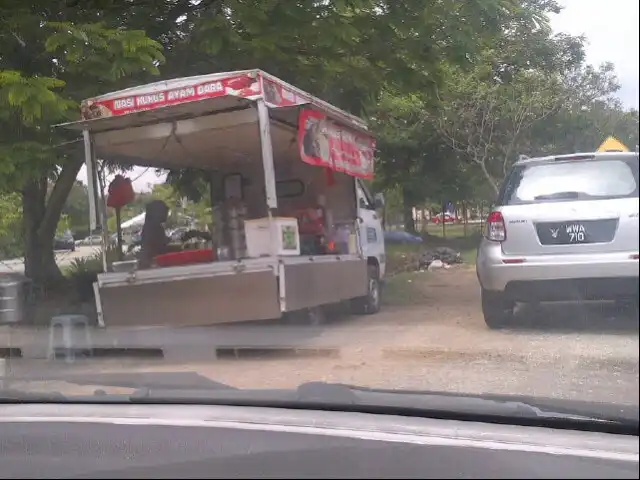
(64, 242)
(176, 235)
(136, 238)
(565, 228)
(448, 218)
(400, 237)
(92, 240)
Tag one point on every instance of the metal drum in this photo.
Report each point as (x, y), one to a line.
(11, 298)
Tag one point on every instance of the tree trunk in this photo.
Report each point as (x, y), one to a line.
(40, 220)
(489, 177)
(465, 214)
(39, 261)
(407, 211)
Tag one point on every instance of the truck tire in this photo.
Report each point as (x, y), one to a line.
(496, 309)
(370, 303)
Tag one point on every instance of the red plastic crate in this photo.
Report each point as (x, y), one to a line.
(187, 257)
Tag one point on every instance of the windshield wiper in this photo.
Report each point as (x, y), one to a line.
(569, 195)
(339, 397)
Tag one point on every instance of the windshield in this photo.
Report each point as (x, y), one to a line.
(572, 180)
(376, 208)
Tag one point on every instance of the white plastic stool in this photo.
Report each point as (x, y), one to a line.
(68, 323)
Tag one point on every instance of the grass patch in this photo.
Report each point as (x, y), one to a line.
(405, 289)
(469, 256)
(464, 242)
(453, 231)
(404, 258)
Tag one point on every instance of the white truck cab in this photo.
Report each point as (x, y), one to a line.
(371, 232)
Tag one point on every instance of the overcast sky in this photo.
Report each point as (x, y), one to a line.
(611, 30)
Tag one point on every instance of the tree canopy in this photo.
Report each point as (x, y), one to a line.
(526, 92)
(454, 89)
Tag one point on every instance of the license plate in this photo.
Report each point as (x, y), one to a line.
(575, 233)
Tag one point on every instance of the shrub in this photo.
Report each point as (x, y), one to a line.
(83, 272)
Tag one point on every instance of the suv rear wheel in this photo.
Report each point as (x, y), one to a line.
(497, 309)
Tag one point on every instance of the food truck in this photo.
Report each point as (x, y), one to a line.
(294, 225)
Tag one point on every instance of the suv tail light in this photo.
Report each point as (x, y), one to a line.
(496, 230)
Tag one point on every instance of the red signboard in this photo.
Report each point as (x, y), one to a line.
(245, 86)
(325, 143)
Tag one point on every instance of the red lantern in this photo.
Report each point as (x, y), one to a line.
(120, 192)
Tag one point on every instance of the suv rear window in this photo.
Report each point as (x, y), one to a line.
(565, 181)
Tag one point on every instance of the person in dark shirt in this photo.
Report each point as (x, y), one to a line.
(154, 240)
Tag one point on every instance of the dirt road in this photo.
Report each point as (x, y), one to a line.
(438, 342)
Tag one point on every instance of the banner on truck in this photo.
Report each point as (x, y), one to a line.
(244, 86)
(277, 95)
(325, 143)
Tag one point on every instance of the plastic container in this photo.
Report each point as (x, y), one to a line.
(187, 257)
(345, 238)
(284, 238)
(125, 266)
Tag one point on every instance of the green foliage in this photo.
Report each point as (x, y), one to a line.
(95, 50)
(524, 91)
(490, 123)
(83, 272)
(64, 224)
(91, 265)
(51, 57)
(32, 98)
(20, 161)
(10, 226)
(455, 89)
(76, 209)
(345, 51)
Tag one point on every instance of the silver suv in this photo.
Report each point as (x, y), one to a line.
(564, 228)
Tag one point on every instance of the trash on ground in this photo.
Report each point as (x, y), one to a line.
(440, 257)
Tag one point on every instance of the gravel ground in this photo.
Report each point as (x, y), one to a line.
(438, 343)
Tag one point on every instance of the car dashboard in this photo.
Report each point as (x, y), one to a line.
(200, 441)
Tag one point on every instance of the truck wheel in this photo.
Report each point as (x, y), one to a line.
(497, 310)
(370, 303)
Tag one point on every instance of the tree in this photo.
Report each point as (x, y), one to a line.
(76, 208)
(582, 128)
(414, 155)
(344, 51)
(491, 121)
(50, 58)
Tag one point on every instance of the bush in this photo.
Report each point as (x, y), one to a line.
(83, 272)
